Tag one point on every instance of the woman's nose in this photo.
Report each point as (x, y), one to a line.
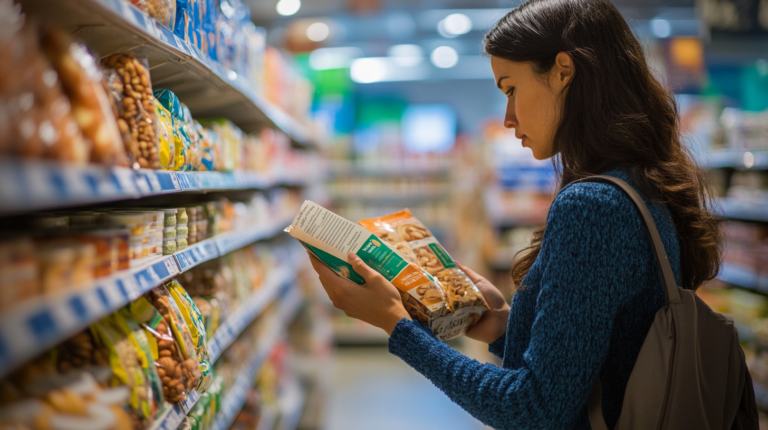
(510, 119)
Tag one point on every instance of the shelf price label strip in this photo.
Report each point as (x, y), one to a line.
(36, 326)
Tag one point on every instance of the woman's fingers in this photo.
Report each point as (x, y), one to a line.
(363, 269)
(471, 273)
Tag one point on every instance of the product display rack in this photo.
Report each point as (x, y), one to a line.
(34, 185)
(236, 396)
(43, 322)
(210, 90)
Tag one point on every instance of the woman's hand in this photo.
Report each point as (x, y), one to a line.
(493, 324)
(376, 302)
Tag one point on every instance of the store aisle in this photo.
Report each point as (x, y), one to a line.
(374, 390)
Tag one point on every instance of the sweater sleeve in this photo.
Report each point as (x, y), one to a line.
(497, 347)
(578, 297)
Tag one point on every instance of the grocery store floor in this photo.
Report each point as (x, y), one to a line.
(374, 390)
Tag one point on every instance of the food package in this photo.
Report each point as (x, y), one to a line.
(19, 272)
(194, 319)
(166, 138)
(210, 309)
(35, 116)
(193, 127)
(126, 370)
(80, 351)
(182, 141)
(81, 80)
(127, 78)
(132, 330)
(172, 366)
(161, 299)
(231, 138)
(331, 238)
(412, 238)
(164, 11)
(210, 150)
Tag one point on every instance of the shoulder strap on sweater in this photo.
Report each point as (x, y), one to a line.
(667, 276)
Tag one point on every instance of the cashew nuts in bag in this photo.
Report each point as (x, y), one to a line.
(330, 238)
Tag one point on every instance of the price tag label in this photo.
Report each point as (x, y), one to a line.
(171, 266)
(175, 181)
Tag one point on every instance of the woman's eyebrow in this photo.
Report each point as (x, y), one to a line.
(498, 83)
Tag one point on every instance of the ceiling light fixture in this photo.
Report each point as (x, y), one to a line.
(368, 70)
(288, 7)
(444, 57)
(661, 28)
(454, 25)
(318, 31)
(406, 55)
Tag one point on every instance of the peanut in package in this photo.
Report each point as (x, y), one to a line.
(406, 233)
(330, 238)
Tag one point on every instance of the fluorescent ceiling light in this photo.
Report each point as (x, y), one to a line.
(454, 25)
(333, 58)
(406, 55)
(368, 70)
(318, 31)
(661, 28)
(444, 57)
(288, 7)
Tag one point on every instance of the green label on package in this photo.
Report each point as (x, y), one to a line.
(443, 256)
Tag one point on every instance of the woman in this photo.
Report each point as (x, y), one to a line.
(579, 89)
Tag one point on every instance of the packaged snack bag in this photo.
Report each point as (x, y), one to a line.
(330, 238)
(166, 139)
(165, 350)
(180, 128)
(405, 232)
(81, 80)
(126, 370)
(127, 79)
(193, 157)
(194, 319)
(162, 300)
(132, 330)
(164, 11)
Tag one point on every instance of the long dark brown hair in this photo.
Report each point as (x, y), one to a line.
(615, 114)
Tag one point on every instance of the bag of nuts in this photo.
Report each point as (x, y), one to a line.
(166, 305)
(169, 360)
(413, 239)
(330, 238)
(127, 77)
(164, 11)
(196, 325)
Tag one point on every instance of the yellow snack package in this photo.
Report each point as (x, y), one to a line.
(194, 320)
(167, 139)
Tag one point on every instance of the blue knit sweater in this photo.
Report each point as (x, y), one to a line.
(591, 297)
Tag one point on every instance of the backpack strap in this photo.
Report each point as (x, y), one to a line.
(667, 276)
(594, 403)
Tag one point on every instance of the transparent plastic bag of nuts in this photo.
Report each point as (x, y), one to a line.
(164, 11)
(127, 78)
(161, 298)
(169, 360)
(81, 80)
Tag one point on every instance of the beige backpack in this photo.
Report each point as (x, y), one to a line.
(690, 373)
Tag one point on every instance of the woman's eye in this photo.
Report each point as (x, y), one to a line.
(511, 92)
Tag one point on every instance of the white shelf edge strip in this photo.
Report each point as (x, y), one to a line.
(39, 324)
(236, 396)
(171, 419)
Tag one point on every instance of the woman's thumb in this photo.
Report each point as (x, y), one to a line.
(361, 268)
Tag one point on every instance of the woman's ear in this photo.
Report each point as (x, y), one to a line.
(563, 69)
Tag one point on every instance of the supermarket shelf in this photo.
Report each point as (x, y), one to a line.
(33, 327)
(172, 418)
(245, 314)
(35, 184)
(403, 199)
(37, 325)
(743, 277)
(736, 158)
(399, 169)
(210, 90)
(737, 209)
(237, 395)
